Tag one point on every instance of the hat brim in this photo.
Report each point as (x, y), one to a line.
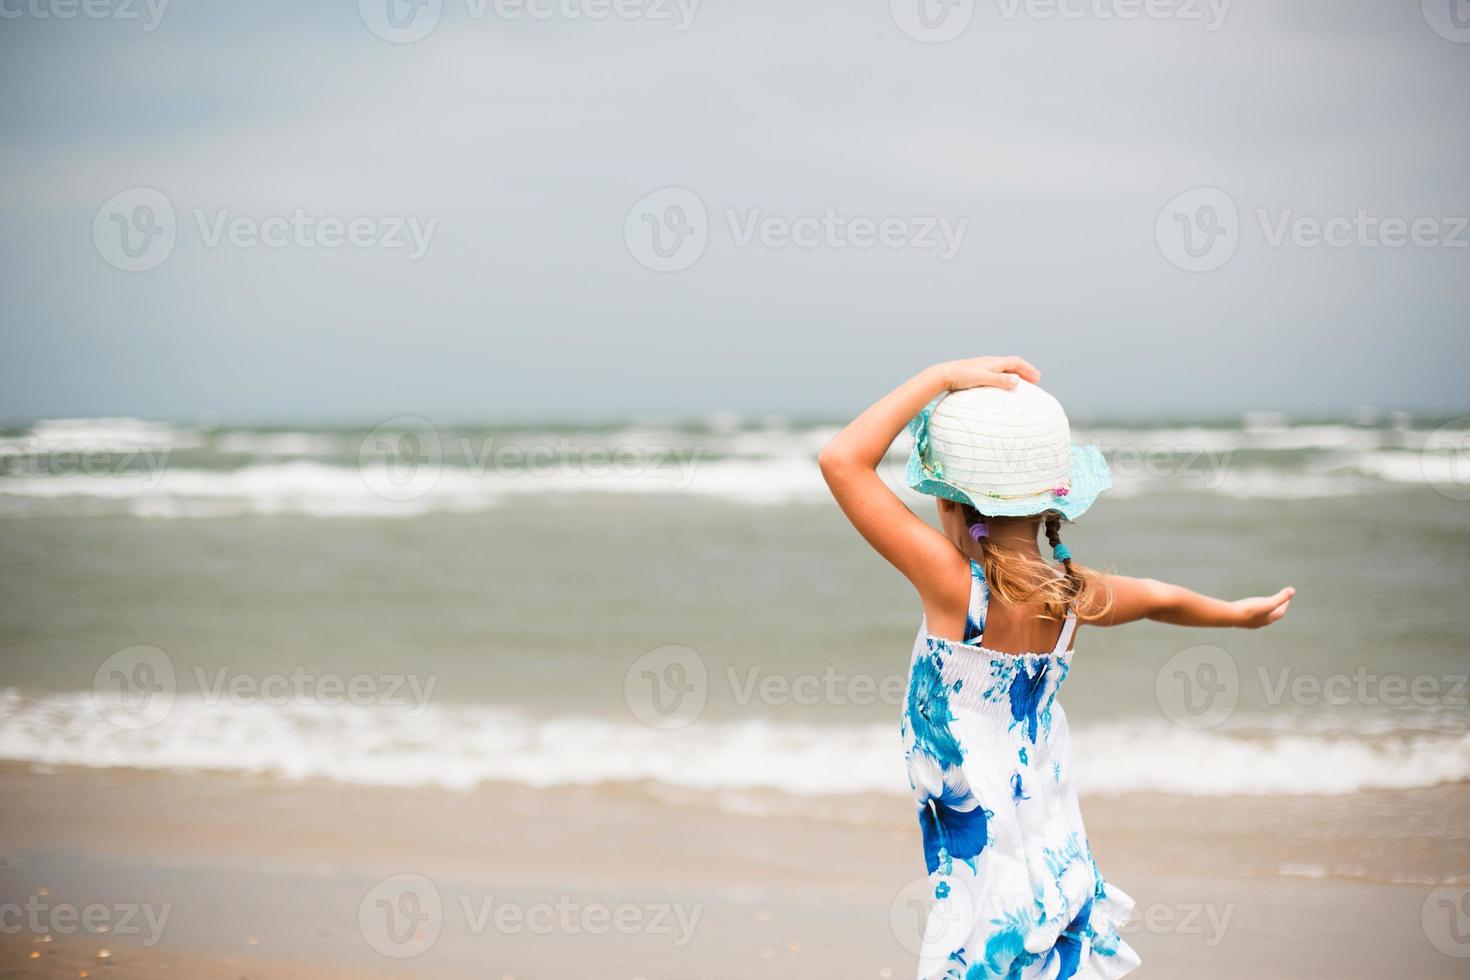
(1089, 477)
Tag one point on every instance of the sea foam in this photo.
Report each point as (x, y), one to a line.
(462, 746)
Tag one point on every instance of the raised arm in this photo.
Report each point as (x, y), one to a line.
(1146, 598)
(850, 465)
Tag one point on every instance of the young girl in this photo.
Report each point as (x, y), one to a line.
(1017, 894)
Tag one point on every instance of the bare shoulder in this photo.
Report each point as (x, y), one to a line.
(944, 587)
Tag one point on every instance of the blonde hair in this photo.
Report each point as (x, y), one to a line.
(1021, 579)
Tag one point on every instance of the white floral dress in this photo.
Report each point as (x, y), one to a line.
(1017, 894)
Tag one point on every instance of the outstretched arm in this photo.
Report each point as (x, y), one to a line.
(1146, 598)
(850, 465)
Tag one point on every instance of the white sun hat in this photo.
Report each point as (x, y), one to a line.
(1007, 452)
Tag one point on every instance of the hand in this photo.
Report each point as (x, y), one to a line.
(986, 372)
(1263, 610)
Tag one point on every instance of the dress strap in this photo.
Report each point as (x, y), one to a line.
(1068, 628)
(979, 601)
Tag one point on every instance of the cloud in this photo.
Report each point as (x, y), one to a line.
(1059, 140)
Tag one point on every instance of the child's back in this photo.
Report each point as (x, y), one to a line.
(1017, 892)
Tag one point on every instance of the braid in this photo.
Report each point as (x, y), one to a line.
(1020, 579)
(1053, 528)
(1054, 538)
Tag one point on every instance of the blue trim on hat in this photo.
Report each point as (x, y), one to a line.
(1089, 477)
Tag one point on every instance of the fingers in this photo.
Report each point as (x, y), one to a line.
(1017, 365)
(1267, 609)
(996, 379)
(1275, 607)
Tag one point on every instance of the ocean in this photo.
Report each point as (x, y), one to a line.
(677, 605)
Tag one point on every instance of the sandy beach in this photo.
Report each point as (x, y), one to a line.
(230, 878)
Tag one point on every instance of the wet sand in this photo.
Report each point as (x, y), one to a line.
(224, 877)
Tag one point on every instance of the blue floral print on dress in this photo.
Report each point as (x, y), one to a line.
(1004, 847)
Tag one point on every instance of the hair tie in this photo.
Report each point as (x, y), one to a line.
(979, 530)
(1060, 552)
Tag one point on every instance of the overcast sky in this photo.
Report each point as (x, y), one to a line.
(521, 150)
